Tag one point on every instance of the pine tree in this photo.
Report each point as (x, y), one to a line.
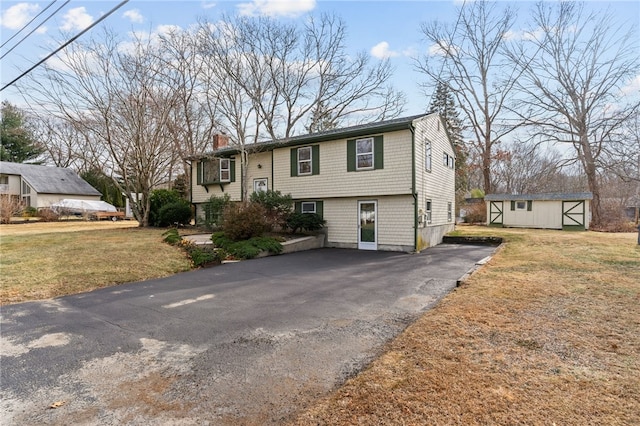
(18, 145)
(444, 104)
(321, 119)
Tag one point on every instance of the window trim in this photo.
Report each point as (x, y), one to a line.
(258, 180)
(428, 149)
(428, 211)
(449, 211)
(225, 169)
(310, 160)
(361, 154)
(302, 204)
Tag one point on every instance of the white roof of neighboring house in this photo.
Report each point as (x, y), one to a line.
(49, 180)
(542, 197)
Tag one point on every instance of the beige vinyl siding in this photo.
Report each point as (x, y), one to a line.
(263, 159)
(395, 221)
(199, 194)
(439, 184)
(334, 180)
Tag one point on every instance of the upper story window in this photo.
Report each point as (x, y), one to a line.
(448, 161)
(364, 154)
(216, 170)
(427, 156)
(225, 170)
(304, 160)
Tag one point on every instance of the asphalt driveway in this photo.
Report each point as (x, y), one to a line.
(243, 343)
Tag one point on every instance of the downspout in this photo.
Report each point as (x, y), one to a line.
(413, 187)
(195, 210)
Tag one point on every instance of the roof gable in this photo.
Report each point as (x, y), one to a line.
(49, 180)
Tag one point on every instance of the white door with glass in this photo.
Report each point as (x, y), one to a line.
(367, 225)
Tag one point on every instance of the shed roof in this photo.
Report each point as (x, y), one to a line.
(550, 196)
(345, 132)
(49, 180)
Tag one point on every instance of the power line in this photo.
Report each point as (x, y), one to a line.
(65, 44)
(28, 23)
(33, 30)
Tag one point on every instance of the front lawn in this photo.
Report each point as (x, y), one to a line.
(546, 333)
(57, 259)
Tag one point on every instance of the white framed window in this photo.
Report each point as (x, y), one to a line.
(449, 212)
(308, 207)
(427, 156)
(260, 185)
(225, 170)
(364, 154)
(521, 205)
(427, 211)
(4, 180)
(445, 159)
(304, 160)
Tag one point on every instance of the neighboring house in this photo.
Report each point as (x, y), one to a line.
(550, 211)
(380, 186)
(42, 186)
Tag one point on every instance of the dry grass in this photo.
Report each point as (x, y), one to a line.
(546, 333)
(43, 260)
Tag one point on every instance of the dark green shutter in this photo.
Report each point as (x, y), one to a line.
(513, 205)
(199, 173)
(378, 153)
(232, 170)
(320, 209)
(298, 207)
(351, 155)
(529, 205)
(294, 161)
(315, 160)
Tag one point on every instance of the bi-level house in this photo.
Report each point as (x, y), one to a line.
(381, 186)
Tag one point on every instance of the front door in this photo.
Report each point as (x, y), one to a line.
(368, 225)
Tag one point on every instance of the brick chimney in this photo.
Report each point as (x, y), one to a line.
(220, 141)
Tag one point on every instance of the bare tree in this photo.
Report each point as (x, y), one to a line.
(524, 168)
(468, 57)
(192, 122)
(271, 77)
(114, 94)
(574, 65)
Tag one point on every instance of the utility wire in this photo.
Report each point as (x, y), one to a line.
(33, 30)
(28, 23)
(103, 17)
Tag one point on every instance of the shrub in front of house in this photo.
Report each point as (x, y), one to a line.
(205, 255)
(48, 215)
(278, 207)
(246, 249)
(176, 213)
(214, 211)
(160, 198)
(304, 222)
(243, 221)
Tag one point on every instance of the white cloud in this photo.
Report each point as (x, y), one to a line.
(382, 51)
(18, 15)
(633, 86)
(76, 19)
(442, 48)
(134, 15)
(41, 30)
(288, 8)
(208, 4)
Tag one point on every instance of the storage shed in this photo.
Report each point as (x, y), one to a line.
(545, 211)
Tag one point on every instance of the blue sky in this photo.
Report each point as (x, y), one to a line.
(381, 28)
